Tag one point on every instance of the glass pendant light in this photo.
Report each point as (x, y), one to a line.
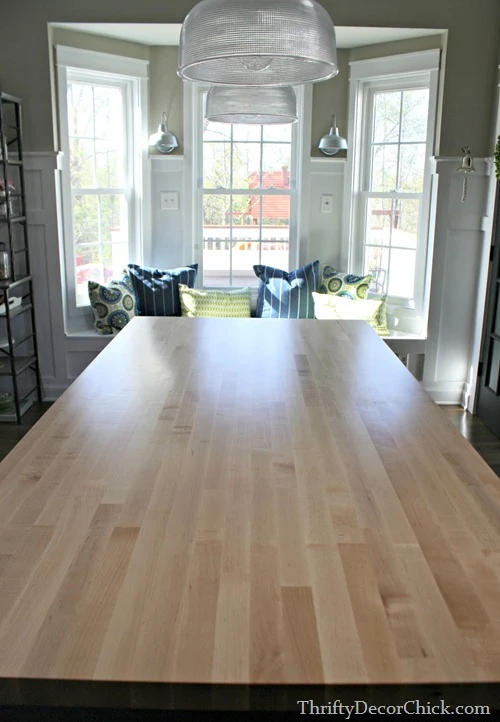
(163, 140)
(251, 105)
(257, 42)
(332, 142)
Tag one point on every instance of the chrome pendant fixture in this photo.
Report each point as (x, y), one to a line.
(332, 142)
(251, 105)
(257, 42)
(163, 140)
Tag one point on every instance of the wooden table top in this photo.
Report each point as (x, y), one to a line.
(243, 501)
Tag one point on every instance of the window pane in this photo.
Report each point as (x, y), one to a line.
(378, 224)
(216, 131)
(85, 219)
(247, 132)
(387, 110)
(402, 273)
(411, 168)
(108, 109)
(276, 165)
(113, 219)
(276, 216)
(216, 165)
(81, 161)
(216, 239)
(384, 168)
(414, 117)
(245, 255)
(216, 263)
(276, 254)
(246, 165)
(109, 166)
(80, 110)
(88, 260)
(376, 262)
(114, 260)
(216, 215)
(405, 230)
(278, 133)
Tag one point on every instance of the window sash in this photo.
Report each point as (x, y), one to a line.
(133, 89)
(261, 192)
(363, 93)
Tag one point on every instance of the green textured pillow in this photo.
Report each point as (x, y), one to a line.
(372, 310)
(113, 305)
(343, 284)
(216, 303)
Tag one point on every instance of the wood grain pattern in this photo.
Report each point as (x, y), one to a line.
(241, 501)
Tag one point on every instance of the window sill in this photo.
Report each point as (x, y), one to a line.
(404, 342)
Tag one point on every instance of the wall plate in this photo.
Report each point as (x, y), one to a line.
(169, 201)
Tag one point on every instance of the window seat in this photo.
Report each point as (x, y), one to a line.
(401, 341)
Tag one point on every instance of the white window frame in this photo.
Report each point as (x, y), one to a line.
(366, 77)
(193, 154)
(131, 75)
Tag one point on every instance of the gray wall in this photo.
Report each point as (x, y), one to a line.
(472, 53)
(165, 92)
(330, 97)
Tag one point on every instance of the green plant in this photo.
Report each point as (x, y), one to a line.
(497, 158)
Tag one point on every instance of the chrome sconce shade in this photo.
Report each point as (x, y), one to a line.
(332, 142)
(251, 105)
(163, 140)
(257, 42)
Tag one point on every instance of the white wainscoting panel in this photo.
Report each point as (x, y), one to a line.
(167, 238)
(459, 250)
(326, 177)
(41, 170)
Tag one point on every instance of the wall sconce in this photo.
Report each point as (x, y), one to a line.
(163, 140)
(332, 142)
(466, 167)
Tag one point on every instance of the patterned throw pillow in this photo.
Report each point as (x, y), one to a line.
(344, 284)
(283, 294)
(216, 303)
(372, 310)
(113, 305)
(157, 291)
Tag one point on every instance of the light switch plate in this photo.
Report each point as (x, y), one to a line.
(169, 201)
(326, 203)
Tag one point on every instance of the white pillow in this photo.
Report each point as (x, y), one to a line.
(372, 310)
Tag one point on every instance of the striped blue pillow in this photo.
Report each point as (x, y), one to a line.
(283, 294)
(157, 291)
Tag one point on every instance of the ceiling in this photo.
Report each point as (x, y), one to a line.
(168, 34)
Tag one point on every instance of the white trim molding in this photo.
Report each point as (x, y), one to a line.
(395, 65)
(93, 60)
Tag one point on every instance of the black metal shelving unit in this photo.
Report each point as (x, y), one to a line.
(19, 367)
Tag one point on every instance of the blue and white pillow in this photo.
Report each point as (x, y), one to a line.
(113, 305)
(283, 294)
(344, 284)
(157, 291)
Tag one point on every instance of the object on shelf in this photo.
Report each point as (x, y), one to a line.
(4, 197)
(4, 342)
(5, 400)
(4, 263)
(14, 302)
